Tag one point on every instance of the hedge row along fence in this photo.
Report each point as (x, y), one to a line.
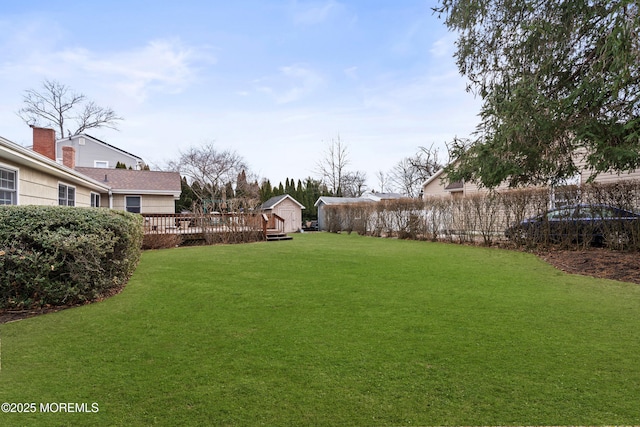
(484, 218)
(52, 255)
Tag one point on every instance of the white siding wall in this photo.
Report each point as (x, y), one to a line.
(38, 188)
(291, 213)
(150, 203)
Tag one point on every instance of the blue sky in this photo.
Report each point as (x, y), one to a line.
(274, 80)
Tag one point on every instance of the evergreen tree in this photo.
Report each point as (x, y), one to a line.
(187, 197)
(266, 191)
(556, 77)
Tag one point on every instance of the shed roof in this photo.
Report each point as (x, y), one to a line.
(274, 201)
(341, 200)
(388, 196)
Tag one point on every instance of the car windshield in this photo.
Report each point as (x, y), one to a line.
(594, 212)
(599, 212)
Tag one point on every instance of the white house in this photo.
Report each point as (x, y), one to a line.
(30, 178)
(36, 177)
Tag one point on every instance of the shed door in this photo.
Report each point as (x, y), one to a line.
(289, 216)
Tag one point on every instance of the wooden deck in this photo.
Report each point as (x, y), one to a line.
(197, 227)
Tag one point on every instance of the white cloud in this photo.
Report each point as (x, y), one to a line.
(163, 66)
(291, 84)
(410, 39)
(352, 73)
(444, 46)
(313, 13)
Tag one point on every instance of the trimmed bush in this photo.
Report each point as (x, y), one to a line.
(483, 218)
(52, 255)
(161, 241)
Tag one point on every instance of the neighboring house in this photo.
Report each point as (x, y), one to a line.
(287, 208)
(94, 153)
(35, 177)
(29, 178)
(438, 185)
(366, 197)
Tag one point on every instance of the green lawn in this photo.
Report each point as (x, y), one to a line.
(335, 330)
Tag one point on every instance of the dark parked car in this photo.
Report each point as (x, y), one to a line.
(310, 226)
(595, 224)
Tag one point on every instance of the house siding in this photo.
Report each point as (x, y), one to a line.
(38, 188)
(87, 154)
(603, 178)
(150, 204)
(321, 216)
(291, 213)
(436, 187)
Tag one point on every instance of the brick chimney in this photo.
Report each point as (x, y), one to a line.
(44, 142)
(69, 156)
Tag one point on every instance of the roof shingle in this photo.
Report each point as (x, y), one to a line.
(135, 180)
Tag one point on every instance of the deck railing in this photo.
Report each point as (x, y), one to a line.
(275, 223)
(201, 224)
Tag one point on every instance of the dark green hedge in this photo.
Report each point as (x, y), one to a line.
(52, 255)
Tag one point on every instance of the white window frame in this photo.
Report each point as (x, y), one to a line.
(97, 163)
(95, 200)
(16, 183)
(126, 204)
(66, 201)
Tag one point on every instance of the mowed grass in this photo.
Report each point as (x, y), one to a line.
(336, 330)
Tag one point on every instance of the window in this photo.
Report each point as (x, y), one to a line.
(132, 204)
(95, 200)
(66, 195)
(560, 214)
(101, 164)
(8, 188)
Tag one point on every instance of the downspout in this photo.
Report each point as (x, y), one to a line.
(106, 179)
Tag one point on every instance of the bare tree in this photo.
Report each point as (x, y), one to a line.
(209, 171)
(426, 162)
(354, 184)
(57, 106)
(406, 178)
(383, 180)
(332, 167)
(411, 173)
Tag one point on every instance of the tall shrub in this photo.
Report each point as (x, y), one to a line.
(52, 255)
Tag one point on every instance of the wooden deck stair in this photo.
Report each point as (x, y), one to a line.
(274, 235)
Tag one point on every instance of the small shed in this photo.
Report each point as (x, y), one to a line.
(326, 200)
(287, 208)
(366, 197)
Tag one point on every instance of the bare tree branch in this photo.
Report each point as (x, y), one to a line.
(94, 116)
(210, 169)
(354, 184)
(411, 172)
(383, 180)
(332, 167)
(55, 105)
